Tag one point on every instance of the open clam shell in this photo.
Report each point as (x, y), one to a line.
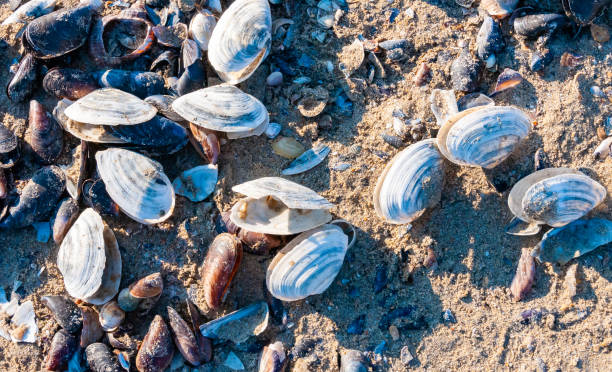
(137, 184)
(110, 106)
(279, 207)
(555, 196)
(89, 260)
(308, 264)
(483, 136)
(411, 183)
(223, 108)
(241, 40)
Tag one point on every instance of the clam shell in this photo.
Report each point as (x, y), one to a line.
(111, 316)
(273, 358)
(221, 264)
(85, 132)
(201, 28)
(223, 108)
(293, 195)
(483, 136)
(109, 106)
(498, 9)
(308, 264)
(33, 8)
(90, 273)
(307, 160)
(137, 184)
(555, 196)
(411, 183)
(197, 183)
(150, 286)
(241, 40)
(239, 325)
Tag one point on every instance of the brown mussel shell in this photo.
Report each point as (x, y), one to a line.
(59, 32)
(46, 136)
(62, 347)
(9, 148)
(65, 312)
(258, 243)
(92, 330)
(205, 142)
(22, 84)
(584, 11)
(67, 213)
(219, 267)
(184, 338)
(100, 359)
(223, 224)
(148, 287)
(68, 83)
(157, 348)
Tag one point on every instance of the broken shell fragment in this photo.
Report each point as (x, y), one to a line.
(351, 58)
(239, 325)
(508, 79)
(279, 207)
(92, 330)
(157, 348)
(443, 105)
(97, 48)
(307, 160)
(137, 184)
(519, 227)
(474, 100)
(111, 316)
(219, 267)
(62, 347)
(288, 147)
(46, 136)
(273, 358)
(555, 196)
(65, 312)
(34, 8)
(483, 136)
(604, 149)
(241, 40)
(9, 148)
(196, 184)
(100, 359)
(308, 264)
(524, 277)
(184, 338)
(313, 101)
(411, 183)
(89, 260)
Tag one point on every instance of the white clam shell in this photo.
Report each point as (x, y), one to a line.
(201, 28)
(196, 184)
(292, 194)
(307, 160)
(223, 108)
(241, 40)
(86, 132)
(110, 106)
(89, 260)
(137, 184)
(308, 264)
(555, 196)
(411, 183)
(483, 136)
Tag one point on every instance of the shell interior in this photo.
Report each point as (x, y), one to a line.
(293, 195)
(197, 183)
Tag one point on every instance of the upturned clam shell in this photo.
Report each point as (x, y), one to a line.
(109, 106)
(137, 184)
(219, 267)
(201, 28)
(89, 260)
(85, 132)
(223, 108)
(308, 264)
(555, 196)
(411, 183)
(279, 207)
(241, 40)
(483, 136)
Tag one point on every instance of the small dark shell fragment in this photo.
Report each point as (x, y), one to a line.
(258, 243)
(168, 57)
(65, 312)
(38, 198)
(204, 343)
(540, 59)
(393, 44)
(172, 36)
(534, 25)
(68, 83)
(157, 348)
(192, 79)
(508, 79)
(9, 148)
(464, 72)
(223, 224)
(525, 275)
(157, 132)
(100, 359)
(353, 361)
(219, 267)
(67, 213)
(23, 83)
(140, 84)
(95, 196)
(184, 338)
(46, 136)
(150, 286)
(473, 100)
(92, 330)
(62, 347)
(163, 104)
(392, 140)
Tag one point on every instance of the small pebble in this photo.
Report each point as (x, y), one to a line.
(550, 321)
(341, 167)
(601, 34)
(394, 332)
(275, 79)
(406, 356)
(448, 316)
(597, 92)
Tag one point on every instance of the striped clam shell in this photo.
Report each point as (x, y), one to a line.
(241, 40)
(89, 260)
(137, 184)
(411, 183)
(308, 264)
(483, 136)
(555, 196)
(85, 132)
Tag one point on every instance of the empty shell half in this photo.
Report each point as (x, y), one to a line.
(223, 108)
(555, 196)
(279, 207)
(137, 184)
(196, 184)
(483, 136)
(308, 264)
(89, 260)
(241, 40)
(411, 183)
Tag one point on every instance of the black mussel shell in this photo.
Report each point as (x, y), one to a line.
(158, 132)
(156, 3)
(62, 348)
(59, 32)
(46, 136)
(540, 59)
(140, 84)
(96, 197)
(490, 40)
(168, 57)
(184, 338)
(9, 148)
(65, 312)
(100, 359)
(584, 11)
(163, 104)
(38, 198)
(192, 79)
(534, 25)
(67, 213)
(204, 343)
(172, 36)
(68, 83)
(465, 71)
(22, 84)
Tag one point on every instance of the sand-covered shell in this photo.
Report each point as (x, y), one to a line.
(223, 108)
(9, 148)
(196, 184)
(279, 207)
(555, 196)
(137, 184)
(411, 183)
(483, 136)
(89, 260)
(308, 264)
(241, 40)
(110, 106)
